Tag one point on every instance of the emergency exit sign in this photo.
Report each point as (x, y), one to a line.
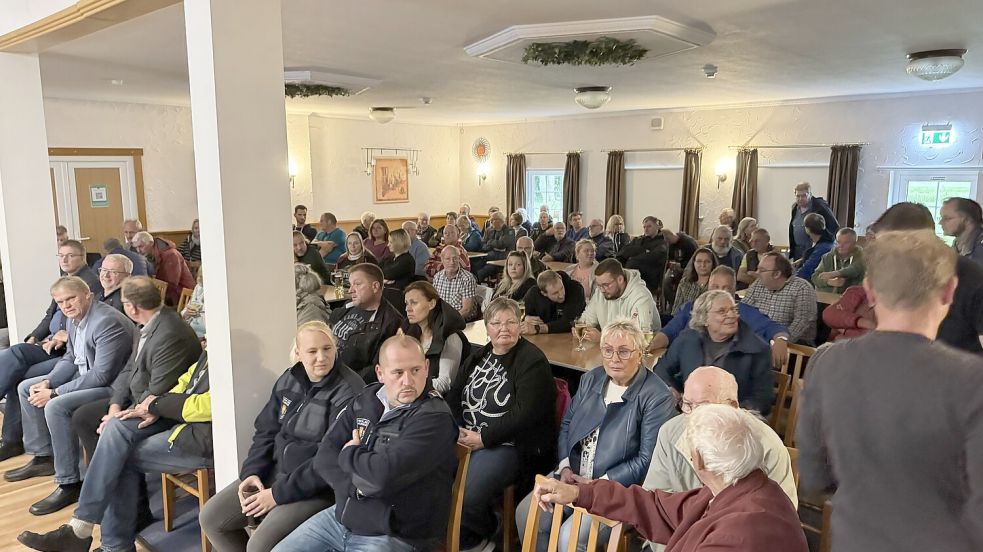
(936, 135)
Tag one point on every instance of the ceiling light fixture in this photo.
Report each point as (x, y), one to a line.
(710, 70)
(592, 97)
(934, 65)
(382, 115)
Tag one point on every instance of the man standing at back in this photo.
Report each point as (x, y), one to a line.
(805, 203)
(963, 219)
(893, 419)
(390, 460)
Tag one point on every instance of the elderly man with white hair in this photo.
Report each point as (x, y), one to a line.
(672, 467)
(722, 243)
(738, 509)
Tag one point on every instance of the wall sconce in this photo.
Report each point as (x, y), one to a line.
(292, 170)
(723, 166)
(482, 172)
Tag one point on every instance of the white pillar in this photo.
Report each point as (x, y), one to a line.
(27, 217)
(235, 65)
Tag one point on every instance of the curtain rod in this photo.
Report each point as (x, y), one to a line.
(543, 152)
(654, 149)
(802, 146)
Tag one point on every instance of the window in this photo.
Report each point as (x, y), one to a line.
(932, 187)
(544, 187)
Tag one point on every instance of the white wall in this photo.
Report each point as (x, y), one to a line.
(890, 125)
(338, 162)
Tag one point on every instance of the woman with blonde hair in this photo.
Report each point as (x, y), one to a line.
(742, 239)
(583, 270)
(400, 268)
(616, 231)
(517, 278)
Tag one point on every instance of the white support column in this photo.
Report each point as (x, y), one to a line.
(27, 217)
(235, 65)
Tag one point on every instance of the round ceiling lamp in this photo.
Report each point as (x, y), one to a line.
(382, 115)
(934, 65)
(592, 97)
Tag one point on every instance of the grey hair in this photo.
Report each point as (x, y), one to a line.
(623, 327)
(722, 435)
(722, 228)
(847, 231)
(701, 308)
(142, 237)
(500, 304)
(71, 283)
(134, 221)
(724, 383)
(123, 260)
(305, 279)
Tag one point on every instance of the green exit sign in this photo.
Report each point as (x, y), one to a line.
(937, 135)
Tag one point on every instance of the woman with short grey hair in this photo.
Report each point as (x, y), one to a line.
(718, 337)
(310, 303)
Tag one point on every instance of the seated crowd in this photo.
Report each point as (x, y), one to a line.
(357, 447)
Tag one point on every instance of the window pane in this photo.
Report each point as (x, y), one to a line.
(932, 193)
(544, 188)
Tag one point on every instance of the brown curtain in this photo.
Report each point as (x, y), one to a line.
(571, 184)
(844, 163)
(615, 193)
(689, 212)
(515, 181)
(745, 184)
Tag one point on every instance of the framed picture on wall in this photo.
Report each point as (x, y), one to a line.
(391, 180)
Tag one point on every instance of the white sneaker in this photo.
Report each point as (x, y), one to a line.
(484, 546)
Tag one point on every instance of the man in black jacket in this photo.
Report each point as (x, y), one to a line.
(555, 245)
(391, 462)
(363, 324)
(647, 253)
(805, 203)
(553, 305)
(169, 433)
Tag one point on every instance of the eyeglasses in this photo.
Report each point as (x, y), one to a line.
(67, 255)
(728, 311)
(508, 324)
(111, 272)
(686, 406)
(623, 354)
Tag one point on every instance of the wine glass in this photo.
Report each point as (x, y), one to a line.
(522, 311)
(580, 330)
(648, 335)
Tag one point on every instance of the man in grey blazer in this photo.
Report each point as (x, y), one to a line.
(100, 339)
(893, 420)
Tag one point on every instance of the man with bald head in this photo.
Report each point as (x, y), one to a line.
(418, 249)
(671, 469)
(452, 237)
(456, 286)
(604, 244)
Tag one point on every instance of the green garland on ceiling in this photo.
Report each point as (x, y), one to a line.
(603, 51)
(299, 90)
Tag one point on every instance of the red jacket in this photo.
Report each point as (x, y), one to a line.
(843, 315)
(753, 514)
(171, 268)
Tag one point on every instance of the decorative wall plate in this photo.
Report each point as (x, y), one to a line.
(481, 149)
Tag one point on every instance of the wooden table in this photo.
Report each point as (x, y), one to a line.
(476, 254)
(331, 295)
(558, 347)
(552, 265)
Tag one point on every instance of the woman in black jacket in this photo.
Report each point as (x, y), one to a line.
(504, 399)
(517, 278)
(400, 269)
(440, 329)
(305, 399)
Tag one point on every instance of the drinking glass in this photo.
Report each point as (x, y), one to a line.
(580, 329)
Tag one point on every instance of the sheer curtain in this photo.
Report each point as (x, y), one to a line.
(515, 181)
(615, 194)
(844, 165)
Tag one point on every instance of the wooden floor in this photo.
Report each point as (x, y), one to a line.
(16, 498)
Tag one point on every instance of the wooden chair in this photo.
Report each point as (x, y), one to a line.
(161, 286)
(826, 531)
(616, 541)
(457, 499)
(793, 412)
(798, 357)
(781, 394)
(198, 486)
(185, 298)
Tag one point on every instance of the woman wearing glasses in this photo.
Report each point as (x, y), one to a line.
(504, 401)
(611, 427)
(717, 337)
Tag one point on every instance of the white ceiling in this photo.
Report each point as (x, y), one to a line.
(767, 50)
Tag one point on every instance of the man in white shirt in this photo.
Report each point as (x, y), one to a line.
(620, 293)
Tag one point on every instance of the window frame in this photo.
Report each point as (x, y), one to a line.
(531, 206)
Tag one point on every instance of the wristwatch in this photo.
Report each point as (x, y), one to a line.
(53, 394)
(782, 337)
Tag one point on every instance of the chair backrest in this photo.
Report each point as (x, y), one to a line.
(798, 357)
(185, 298)
(793, 412)
(457, 499)
(484, 296)
(161, 286)
(781, 394)
(563, 400)
(793, 454)
(615, 542)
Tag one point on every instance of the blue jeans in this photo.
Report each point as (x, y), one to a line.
(152, 455)
(491, 470)
(118, 440)
(48, 430)
(20, 362)
(324, 533)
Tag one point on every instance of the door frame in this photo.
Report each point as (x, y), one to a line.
(129, 163)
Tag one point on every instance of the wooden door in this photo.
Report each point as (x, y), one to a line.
(100, 204)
